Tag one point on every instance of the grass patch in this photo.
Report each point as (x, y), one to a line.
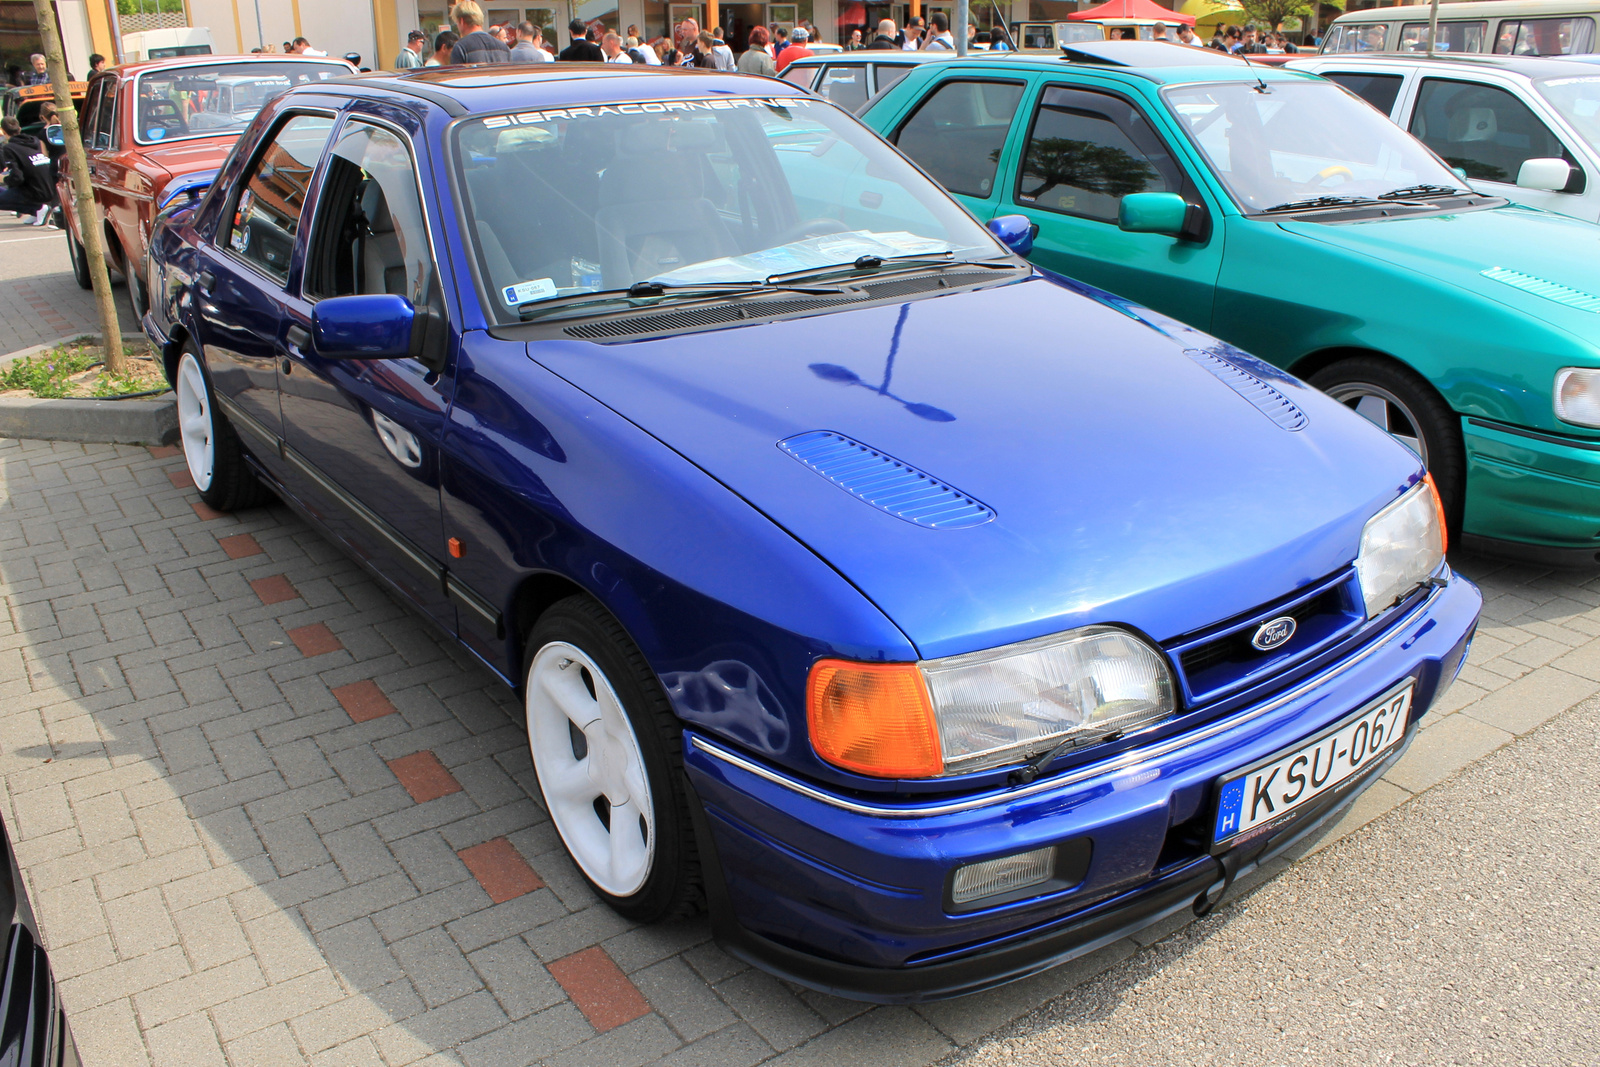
(74, 370)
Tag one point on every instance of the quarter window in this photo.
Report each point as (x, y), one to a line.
(266, 215)
(958, 132)
(1483, 130)
(1379, 90)
(371, 236)
(1087, 151)
(1545, 37)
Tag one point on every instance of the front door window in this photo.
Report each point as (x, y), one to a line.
(1482, 129)
(1087, 151)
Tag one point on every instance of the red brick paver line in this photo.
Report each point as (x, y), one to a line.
(363, 700)
(599, 988)
(164, 451)
(205, 512)
(274, 589)
(181, 478)
(424, 777)
(314, 640)
(239, 545)
(501, 870)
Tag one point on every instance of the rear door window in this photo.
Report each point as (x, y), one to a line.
(846, 86)
(105, 125)
(1545, 37)
(958, 132)
(1481, 129)
(799, 75)
(266, 215)
(1379, 90)
(889, 73)
(1453, 37)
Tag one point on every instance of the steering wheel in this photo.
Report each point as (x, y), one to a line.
(1336, 171)
(816, 227)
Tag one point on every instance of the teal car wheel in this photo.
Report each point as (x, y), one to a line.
(1403, 405)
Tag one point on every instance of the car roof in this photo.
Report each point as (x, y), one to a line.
(1528, 66)
(178, 62)
(1165, 64)
(870, 55)
(1455, 12)
(485, 88)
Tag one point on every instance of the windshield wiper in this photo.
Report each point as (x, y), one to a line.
(1323, 201)
(648, 294)
(1423, 190)
(913, 261)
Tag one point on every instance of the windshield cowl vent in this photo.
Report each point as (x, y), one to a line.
(1561, 294)
(886, 483)
(1267, 400)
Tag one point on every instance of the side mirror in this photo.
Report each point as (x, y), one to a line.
(1014, 231)
(377, 326)
(1153, 213)
(1550, 175)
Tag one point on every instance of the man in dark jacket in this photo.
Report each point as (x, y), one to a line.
(26, 166)
(476, 44)
(885, 38)
(581, 49)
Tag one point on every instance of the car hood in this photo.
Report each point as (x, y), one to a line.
(190, 156)
(1538, 262)
(1128, 483)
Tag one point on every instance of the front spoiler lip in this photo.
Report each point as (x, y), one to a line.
(1201, 883)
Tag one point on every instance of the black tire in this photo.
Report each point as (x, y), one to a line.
(1409, 399)
(80, 262)
(229, 484)
(673, 887)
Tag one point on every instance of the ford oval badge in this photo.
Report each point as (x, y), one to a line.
(1274, 632)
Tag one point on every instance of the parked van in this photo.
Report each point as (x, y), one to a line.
(1502, 27)
(1054, 36)
(165, 44)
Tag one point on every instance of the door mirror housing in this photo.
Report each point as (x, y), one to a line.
(1153, 213)
(1014, 231)
(1550, 175)
(375, 326)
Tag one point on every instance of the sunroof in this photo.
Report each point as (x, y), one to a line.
(1145, 54)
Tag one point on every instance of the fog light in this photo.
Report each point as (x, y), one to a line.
(993, 877)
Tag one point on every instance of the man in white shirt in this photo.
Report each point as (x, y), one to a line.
(941, 39)
(611, 45)
(650, 58)
(1186, 35)
(302, 47)
(913, 35)
(721, 54)
(411, 55)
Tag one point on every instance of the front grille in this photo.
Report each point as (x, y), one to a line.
(1222, 659)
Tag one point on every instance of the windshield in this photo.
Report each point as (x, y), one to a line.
(1578, 99)
(735, 189)
(1301, 141)
(214, 99)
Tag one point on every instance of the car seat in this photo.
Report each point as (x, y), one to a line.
(159, 113)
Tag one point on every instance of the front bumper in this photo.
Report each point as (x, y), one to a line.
(1531, 494)
(848, 896)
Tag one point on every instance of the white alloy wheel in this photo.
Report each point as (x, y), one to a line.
(195, 425)
(1385, 411)
(591, 770)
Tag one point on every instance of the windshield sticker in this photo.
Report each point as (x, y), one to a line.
(834, 249)
(1573, 81)
(523, 292)
(495, 122)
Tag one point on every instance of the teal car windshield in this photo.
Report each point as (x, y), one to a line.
(1578, 100)
(684, 193)
(1302, 141)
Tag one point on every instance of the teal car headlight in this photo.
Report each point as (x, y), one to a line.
(1401, 547)
(997, 706)
(1577, 395)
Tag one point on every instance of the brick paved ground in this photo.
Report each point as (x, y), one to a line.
(39, 301)
(268, 818)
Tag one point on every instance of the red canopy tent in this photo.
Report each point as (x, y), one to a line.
(1133, 9)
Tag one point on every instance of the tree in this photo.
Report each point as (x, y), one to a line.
(83, 193)
(1273, 13)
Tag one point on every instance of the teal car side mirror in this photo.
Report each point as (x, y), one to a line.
(1014, 231)
(1153, 213)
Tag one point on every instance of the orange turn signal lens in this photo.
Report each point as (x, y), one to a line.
(873, 718)
(1438, 509)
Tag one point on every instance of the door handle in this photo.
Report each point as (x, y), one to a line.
(299, 336)
(205, 280)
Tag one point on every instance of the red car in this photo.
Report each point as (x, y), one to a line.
(146, 125)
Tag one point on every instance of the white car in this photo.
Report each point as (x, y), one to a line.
(1521, 127)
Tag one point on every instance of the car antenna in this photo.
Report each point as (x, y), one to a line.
(1261, 86)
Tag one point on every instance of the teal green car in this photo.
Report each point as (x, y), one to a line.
(1280, 213)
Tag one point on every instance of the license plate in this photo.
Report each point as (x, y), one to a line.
(1257, 796)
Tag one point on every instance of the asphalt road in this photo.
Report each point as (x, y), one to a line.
(1462, 928)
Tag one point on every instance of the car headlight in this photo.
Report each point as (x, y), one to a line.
(1401, 547)
(1577, 395)
(985, 709)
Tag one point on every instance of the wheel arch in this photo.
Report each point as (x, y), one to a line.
(534, 595)
(172, 351)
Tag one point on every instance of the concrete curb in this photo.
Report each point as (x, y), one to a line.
(145, 421)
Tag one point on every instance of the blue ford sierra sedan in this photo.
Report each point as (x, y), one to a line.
(929, 618)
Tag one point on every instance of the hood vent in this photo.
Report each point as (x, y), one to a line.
(885, 482)
(1561, 294)
(1271, 403)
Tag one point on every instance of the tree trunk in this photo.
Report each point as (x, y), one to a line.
(82, 192)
